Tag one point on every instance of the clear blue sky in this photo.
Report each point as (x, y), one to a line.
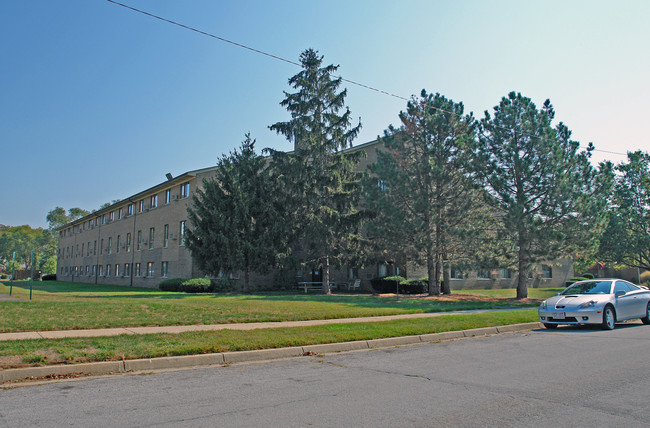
(99, 102)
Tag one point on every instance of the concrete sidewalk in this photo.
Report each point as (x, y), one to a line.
(58, 334)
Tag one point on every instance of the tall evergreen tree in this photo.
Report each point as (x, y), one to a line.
(234, 217)
(541, 186)
(420, 190)
(627, 238)
(321, 188)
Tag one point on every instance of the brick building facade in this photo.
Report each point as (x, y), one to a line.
(139, 241)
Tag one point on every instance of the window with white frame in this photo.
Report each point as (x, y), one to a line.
(185, 190)
(168, 196)
(547, 271)
(166, 236)
(150, 269)
(164, 269)
(151, 236)
(154, 201)
(182, 233)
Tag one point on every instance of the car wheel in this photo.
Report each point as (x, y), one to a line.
(550, 326)
(646, 318)
(609, 318)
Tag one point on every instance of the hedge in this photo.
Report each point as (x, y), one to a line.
(388, 284)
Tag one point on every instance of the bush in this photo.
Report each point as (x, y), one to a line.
(197, 285)
(3, 276)
(588, 275)
(49, 277)
(171, 284)
(386, 284)
(645, 277)
(222, 285)
(575, 279)
(414, 286)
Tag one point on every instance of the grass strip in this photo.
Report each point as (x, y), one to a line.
(78, 350)
(67, 306)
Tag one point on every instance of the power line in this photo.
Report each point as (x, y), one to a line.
(295, 63)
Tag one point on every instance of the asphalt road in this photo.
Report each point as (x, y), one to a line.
(566, 377)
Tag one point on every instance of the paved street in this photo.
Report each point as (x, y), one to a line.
(566, 377)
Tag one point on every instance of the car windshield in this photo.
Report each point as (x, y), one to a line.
(589, 287)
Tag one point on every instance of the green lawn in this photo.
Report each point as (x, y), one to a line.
(62, 306)
(77, 350)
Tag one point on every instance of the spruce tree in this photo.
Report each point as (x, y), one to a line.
(541, 187)
(234, 217)
(420, 191)
(320, 186)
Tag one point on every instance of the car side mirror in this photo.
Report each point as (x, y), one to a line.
(619, 293)
(557, 294)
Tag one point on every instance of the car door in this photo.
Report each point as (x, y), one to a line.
(639, 301)
(624, 303)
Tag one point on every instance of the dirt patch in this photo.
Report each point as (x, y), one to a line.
(464, 298)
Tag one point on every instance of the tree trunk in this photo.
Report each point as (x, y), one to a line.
(326, 276)
(522, 287)
(434, 289)
(446, 285)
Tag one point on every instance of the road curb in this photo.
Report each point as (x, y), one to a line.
(187, 361)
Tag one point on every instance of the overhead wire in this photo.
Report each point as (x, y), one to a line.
(279, 58)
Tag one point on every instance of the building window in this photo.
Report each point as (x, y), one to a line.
(166, 236)
(150, 269)
(141, 205)
(129, 209)
(505, 273)
(101, 270)
(139, 241)
(94, 270)
(111, 216)
(120, 213)
(456, 273)
(101, 246)
(382, 270)
(185, 190)
(182, 234)
(117, 245)
(137, 269)
(128, 242)
(82, 250)
(88, 249)
(168, 196)
(483, 274)
(547, 271)
(117, 270)
(108, 270)
(154, 201)
(151, 235)
(164, 269)
(103, 218)
(110, 245)
(127, 269)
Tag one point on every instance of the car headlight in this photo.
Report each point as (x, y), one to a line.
(587, 304)
(543, 305)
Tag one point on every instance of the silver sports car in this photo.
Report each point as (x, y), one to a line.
(596, 301)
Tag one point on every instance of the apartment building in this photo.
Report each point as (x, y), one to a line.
(140, 241)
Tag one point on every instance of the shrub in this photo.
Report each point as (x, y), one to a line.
(414, 286)
(171, 284)
(386, 284)
(49, 277)
(588, 275)
(3, 276)
(645, 277)
(197, 285)
(575, 279)
(222, 285)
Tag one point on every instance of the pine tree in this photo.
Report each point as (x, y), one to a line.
(234, 217)
(420, 191)
(321, 188)
(542, 188)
